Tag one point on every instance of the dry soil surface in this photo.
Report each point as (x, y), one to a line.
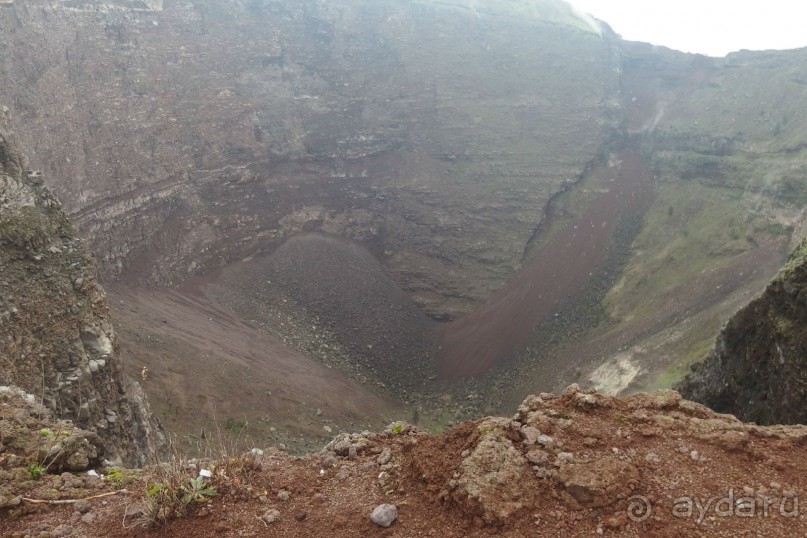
(577, 464)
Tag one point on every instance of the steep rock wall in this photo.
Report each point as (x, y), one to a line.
(758, 367)
(56, 340)
(208, 131)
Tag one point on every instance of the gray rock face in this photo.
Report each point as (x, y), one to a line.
(757, 368)
(410, 126)
(57, 337)
(384, 515)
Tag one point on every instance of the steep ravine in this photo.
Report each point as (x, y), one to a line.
(553, 277)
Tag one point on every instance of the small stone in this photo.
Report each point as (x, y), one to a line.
(270, 516)
(342, 447)
(82, 506)
(565, 456)
(585, 400)
(544, 440)
(385, 457)
(537, 456)
(301, 516)
(616, 522)
(530, 435)
(283, 495)
(384, 515)
(62, 530)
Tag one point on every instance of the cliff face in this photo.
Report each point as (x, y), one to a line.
(213, 130)
(758, 367)
(57, 342)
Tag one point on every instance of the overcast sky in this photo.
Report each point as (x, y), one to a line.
(712, 27)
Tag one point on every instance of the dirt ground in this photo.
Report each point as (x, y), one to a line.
(578, 464)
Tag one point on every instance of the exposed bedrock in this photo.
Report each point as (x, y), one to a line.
(758, 367)
(210, 131)
(56, 339)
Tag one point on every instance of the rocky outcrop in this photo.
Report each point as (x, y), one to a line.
(582, 456)
(31, 435)
(758, 367)
(57, 341)
(490, 484)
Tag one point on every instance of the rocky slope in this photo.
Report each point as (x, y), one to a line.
(756, 369)
(576, 464)
(57, 341)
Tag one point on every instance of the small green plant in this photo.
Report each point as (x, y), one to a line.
(120, 477)
(234, 425)
(169, 499)
(114, 474)
(163, 503)
(397, 427)
(197, 490)
(46, 432)
(35, 470)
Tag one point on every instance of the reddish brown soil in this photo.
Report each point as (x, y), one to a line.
(678, 449)
(554, 275)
